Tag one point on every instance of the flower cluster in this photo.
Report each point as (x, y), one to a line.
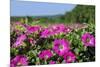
(61, 47)
(55, 30)
(19, 60)
(33, 29)
(34, 44)
(45, 54)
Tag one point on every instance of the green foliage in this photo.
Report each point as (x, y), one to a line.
(81, 14)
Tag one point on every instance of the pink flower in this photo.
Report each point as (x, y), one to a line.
(61, 46)
(52, 62)
(55, 30)
(69, 57)
(19, 40)
(19, 60)
(46, 33)
(45, 54)
(88, 39)
(60, 28)
(33, 29)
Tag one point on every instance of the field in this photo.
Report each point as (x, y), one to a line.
(40, 41)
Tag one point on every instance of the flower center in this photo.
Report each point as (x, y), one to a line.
(69, 58)
(60, 47)
(87, 40)
(46, 57)
(19, 64)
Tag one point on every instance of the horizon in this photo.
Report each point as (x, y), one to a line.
(40, 15)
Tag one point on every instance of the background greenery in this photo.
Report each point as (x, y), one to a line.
(80, 14)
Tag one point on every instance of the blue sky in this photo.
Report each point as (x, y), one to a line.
(29, 8)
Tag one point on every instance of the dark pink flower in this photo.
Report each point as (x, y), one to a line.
(88, 39)
(55, 30)
(46, 33)
(19, 40)
(52, 62)
(61, 46)
(69, 57)
(33, 29)
(45, 54)
(19, 60)
(60, 28)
